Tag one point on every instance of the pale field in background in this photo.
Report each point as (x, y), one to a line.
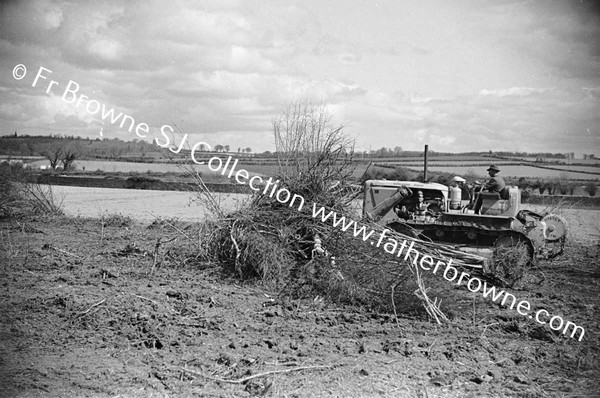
(507, 170)
(132, 167)
(142, 205)
(128, 167)
(522, 171)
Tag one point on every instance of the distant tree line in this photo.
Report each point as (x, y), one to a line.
(537, 155)
(115, 148)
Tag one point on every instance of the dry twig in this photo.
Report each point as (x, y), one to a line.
(248, 378)
(95, 305)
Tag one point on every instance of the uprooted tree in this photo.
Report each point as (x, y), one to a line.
(299, 252)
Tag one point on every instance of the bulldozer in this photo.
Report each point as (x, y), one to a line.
(427, 211)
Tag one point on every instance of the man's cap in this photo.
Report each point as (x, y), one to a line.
(458, 179)
(493, 168)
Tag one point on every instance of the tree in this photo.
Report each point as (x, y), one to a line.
(69, 155)
(591, 188)
(248, 149)
(114, 149)
(314, 155)
(53, 153)
(226, 147)
(24, 149)
(219, 148)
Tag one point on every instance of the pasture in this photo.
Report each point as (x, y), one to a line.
(463, 166)
(129, 167)
(517, 171)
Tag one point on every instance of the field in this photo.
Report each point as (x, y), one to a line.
(130, 167)
(586, 162)
(462, 166)
(519, 171)
(142, 205)
(575, 168)
(91, 166)
(98, 308)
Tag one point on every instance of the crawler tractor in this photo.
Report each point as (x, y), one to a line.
(422, 210)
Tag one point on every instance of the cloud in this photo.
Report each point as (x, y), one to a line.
(514, 118)
(420, 51)
(30, 21)
(560, 34)
(464, 76)
(13, 111)
(349, 58)
(107, 49)
(511, 92)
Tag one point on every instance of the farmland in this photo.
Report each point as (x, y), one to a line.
(521, 171)
(85, 312)
(470, 166)
(117, 299)
(142, 205)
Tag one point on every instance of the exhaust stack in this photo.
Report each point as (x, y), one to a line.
(425, 163)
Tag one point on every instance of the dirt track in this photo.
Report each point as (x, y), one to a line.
(81, 316)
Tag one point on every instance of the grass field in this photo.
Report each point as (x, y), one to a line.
(442, 164)
(575, 168)
(127, 167)
(516, 171)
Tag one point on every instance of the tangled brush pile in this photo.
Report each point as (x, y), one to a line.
(305, 258)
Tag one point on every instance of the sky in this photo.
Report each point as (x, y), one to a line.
(458, 75)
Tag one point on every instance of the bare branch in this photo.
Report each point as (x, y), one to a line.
(313, 154)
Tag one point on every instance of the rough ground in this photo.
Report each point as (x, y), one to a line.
(81, 316)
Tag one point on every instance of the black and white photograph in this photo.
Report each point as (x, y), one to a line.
(261, 198)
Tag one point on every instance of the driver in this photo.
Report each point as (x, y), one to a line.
(493, 184)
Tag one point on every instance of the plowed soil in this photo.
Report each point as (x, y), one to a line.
(93, 311)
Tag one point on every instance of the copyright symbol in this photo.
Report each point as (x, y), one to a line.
(19, 71)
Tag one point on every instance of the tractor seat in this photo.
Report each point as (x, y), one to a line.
(494, 204)
(504, 194)
(490, 195)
